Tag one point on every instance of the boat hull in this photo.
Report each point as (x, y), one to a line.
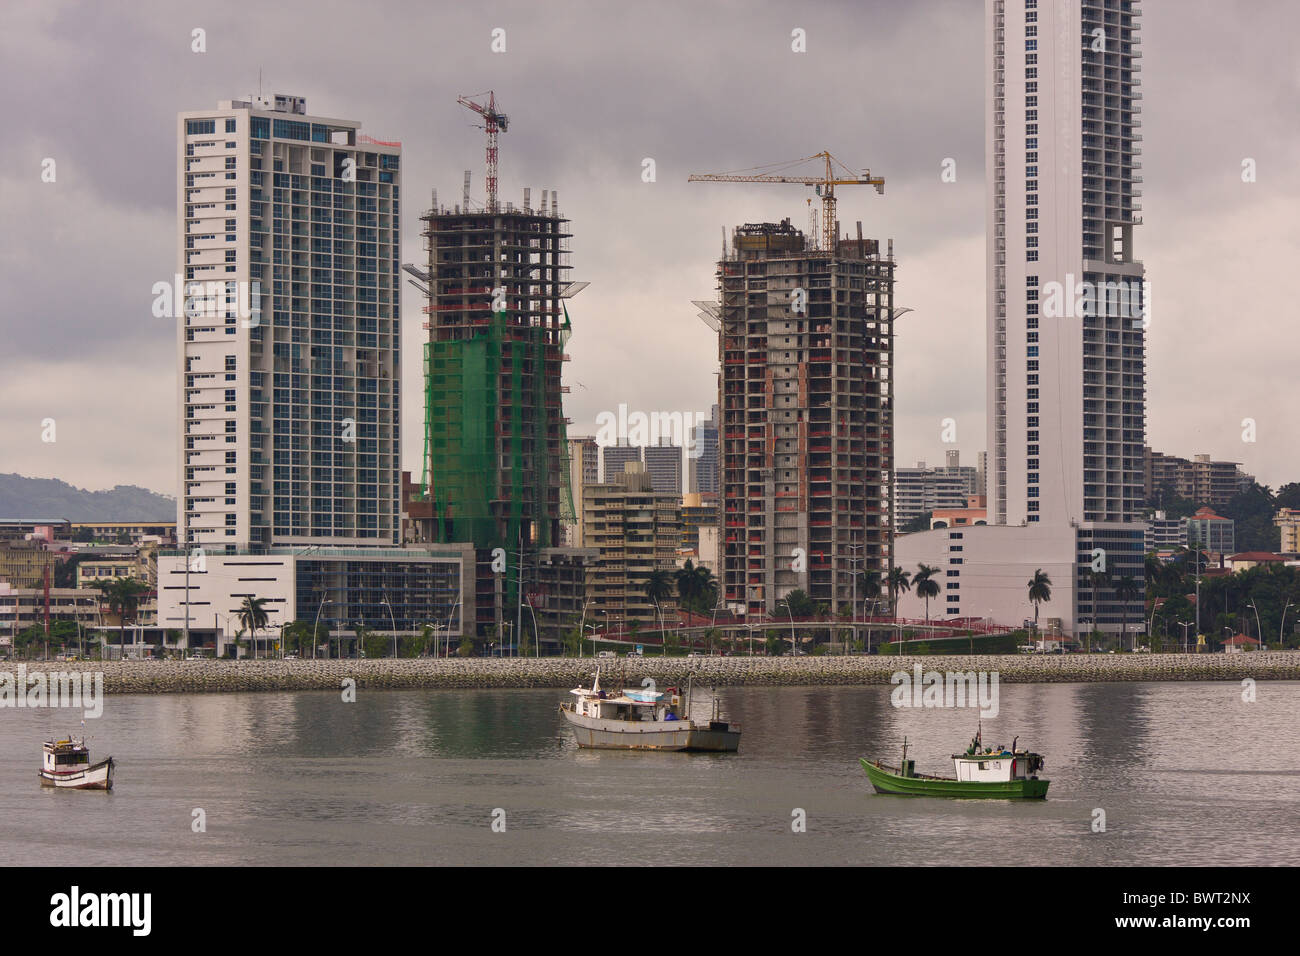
(95, 777)
(671, 735)
(885, 781)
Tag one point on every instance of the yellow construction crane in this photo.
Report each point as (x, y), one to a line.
(824, 184)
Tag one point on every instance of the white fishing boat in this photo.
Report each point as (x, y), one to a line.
(67, 765)
(644, 720)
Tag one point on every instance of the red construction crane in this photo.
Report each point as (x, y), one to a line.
(493, 121)
(824, 183)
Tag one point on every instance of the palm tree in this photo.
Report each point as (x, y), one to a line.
(926, 586)
(1096, 579)
(1040, 590)
(1126, 590)
(252, 615)
(658, 586)
(123, 598)
(687, 583)
(900, 582)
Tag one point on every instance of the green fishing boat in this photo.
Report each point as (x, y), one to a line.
(981, 772)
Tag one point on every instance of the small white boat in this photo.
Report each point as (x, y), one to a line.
(67, 765)
(644, 720)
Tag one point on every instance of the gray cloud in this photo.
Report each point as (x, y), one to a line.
(592, 89)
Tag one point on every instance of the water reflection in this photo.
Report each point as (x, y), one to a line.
(1187, 773)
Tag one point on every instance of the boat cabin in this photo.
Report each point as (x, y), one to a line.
(625, 706)
(62, 756)
(996, 764)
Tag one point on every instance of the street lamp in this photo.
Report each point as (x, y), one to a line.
(450, 615)
(594, 630)
(794, 646)
(1281, 627)
(393, 621)
(323, 602)
(1258, 629)
(1184, 625)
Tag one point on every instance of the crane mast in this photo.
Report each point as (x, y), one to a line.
(493, 122)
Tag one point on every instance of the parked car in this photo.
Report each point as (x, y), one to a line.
(606, 654)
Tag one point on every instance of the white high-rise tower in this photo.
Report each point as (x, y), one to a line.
(290, 431)
(1066, 324)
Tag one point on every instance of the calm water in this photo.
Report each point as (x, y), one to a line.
(1186, 773)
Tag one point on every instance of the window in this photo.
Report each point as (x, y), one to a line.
(196, 127)
(230, 363)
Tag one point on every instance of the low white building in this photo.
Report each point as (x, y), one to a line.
(984, 572)
(381, 589)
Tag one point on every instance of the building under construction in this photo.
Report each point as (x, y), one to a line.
(496, 457)
(806, 347)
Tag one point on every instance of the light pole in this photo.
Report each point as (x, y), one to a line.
(537, 637)
(593, 629)
(393, 621)
(1281, 627)
(323, 602)
(853, 563)
(1184, 625)
(794, 645)
(450, 616)
(1258, 629)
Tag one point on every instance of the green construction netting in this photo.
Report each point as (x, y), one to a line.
(461, 430)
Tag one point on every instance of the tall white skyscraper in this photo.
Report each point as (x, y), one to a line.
(1066, 325)
(1067, 407)
(1067, 341)
(290, 431)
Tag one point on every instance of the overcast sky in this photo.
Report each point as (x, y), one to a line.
(592, 89)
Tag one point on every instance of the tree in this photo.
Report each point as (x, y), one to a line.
(920, 523)
(800, 604)
(900, 582)
(1126, 590)
(926, 586)
(659, 587)
(1096, 579)
(123, 598)
(1040, 590)
(252, 615)
(869, 584)
(696, 587)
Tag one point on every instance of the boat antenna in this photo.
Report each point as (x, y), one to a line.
(904, 750)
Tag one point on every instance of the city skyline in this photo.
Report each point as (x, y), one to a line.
(115, 216)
